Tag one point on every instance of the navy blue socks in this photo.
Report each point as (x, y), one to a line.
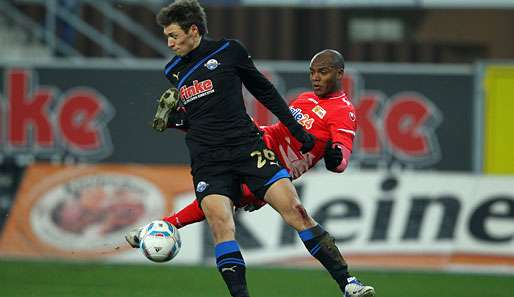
(232, 267)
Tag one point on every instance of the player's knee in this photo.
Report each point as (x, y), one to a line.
(221, 229)
(301, 211)
(297, 217)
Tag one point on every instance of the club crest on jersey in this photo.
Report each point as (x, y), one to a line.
(212, 64)
(319, 111)
(352, 116)
(303, 119)
(197, 90)
(201, 186)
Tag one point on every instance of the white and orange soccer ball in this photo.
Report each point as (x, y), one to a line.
(160, 241)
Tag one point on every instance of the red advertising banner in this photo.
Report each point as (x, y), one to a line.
(408, 116)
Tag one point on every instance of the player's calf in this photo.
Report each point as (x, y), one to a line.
(322, 246)
(232, 268)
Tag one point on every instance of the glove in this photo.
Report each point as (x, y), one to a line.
(254, 206)
(167, 103)
(305, 138)
(333, 156)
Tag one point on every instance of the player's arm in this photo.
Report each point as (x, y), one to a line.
(336, 157)
(342, 124)
(262, 89)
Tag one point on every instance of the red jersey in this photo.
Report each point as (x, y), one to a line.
(331, 118)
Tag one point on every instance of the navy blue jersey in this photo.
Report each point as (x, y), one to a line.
(210, 80)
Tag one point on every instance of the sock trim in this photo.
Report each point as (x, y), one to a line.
(315, 249)
(311, 233)
(231, 261)
(226, 247)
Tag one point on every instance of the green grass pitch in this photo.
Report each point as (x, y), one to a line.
(54, 279)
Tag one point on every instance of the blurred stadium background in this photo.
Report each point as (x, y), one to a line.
(426, 208)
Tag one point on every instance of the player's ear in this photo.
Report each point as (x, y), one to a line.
(193, 29)
(340, 74)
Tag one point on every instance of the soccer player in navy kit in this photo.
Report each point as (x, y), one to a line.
(226, 147)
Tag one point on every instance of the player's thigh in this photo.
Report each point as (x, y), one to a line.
(218, 210)
(282, 196)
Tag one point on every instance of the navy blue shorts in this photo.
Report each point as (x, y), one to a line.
(257, 166)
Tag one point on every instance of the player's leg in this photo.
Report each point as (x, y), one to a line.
(270, 181)
(191, 213)
(215, 187)
(282, 196)
(218, 210)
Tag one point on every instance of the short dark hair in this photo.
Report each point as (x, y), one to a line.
(337, 58)
(184, 13)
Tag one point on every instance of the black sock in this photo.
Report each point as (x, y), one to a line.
(322, 246)
(232, 267)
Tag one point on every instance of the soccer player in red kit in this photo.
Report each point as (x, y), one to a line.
(325, 112)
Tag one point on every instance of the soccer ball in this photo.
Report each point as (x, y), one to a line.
(160, 241)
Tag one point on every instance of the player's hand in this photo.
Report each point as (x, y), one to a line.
(305, 138)
(254, 206)
(308, 142)
(333, 156)
(165, 105)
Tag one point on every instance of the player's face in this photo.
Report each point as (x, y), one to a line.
(179, 41)
(325, 77)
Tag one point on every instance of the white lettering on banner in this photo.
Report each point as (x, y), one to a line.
(413, 213)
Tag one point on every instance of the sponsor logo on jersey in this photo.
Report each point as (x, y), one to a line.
(319, 111)
(201, 186)
(303, 119)
(212, 64)
(197, 90)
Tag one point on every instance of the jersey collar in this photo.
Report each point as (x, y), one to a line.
(204, 47)
(333, 95)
